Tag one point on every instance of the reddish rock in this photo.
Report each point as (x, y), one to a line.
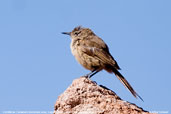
(84, 96)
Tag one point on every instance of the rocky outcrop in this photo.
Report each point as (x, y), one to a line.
(84, 96)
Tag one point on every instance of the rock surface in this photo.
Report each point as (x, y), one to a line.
(84, 96)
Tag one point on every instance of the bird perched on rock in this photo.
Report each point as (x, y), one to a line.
(93, 54)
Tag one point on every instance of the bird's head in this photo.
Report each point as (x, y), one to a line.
(79, 33)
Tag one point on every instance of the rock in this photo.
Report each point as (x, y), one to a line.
(84, 96)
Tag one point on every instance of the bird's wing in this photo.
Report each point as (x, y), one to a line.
(99, 54)
(98, 51)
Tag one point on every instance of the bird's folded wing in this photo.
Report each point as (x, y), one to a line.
(98, 54)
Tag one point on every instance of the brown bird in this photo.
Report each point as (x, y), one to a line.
(93, 54)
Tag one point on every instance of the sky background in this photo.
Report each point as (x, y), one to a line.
(36, 64)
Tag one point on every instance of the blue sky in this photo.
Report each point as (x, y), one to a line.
(37, 65)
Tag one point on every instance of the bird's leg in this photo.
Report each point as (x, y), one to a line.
(93, 73)
(89, 74)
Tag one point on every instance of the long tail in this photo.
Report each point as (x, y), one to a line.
(126, 83)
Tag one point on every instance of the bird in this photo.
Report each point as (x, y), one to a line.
(93, 54)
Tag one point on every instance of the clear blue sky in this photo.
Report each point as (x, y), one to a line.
(36, 64)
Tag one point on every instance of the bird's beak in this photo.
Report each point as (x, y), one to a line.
(67, 33)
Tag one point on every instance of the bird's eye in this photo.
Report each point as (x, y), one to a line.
(77, 33)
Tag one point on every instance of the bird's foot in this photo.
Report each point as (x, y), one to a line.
(85, 76)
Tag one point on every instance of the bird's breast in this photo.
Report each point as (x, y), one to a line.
(74, 47)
